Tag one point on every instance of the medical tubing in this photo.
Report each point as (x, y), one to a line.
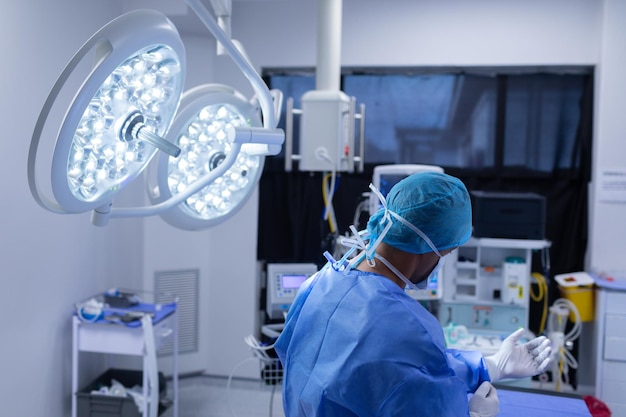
(255, 345)
(560, 370)
(362, 206)
(566, 359)
(327, 194)
(574, 333)
(271, 411)
(329, 212)
(289, 112)
(230, 378)
(542, 295)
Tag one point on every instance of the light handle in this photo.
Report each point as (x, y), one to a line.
(134, 128)
(247, 135)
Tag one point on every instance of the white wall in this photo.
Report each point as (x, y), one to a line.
(608, 221)
(458, 33)
(477, 33)
(225, 254)
(49, 261)
(408, 32)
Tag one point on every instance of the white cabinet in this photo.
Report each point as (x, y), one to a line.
(611, 349)
(490, 270)
(486, 285)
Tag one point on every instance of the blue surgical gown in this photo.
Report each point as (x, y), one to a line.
(356, 345)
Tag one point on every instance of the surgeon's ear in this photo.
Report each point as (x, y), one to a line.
(448, 251)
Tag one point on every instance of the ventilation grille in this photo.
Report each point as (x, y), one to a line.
(184, 285)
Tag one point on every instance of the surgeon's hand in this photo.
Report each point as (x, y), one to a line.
(484, 402)
(513, 360)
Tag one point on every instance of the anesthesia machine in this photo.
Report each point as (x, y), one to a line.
(482, 293)
(283, 282)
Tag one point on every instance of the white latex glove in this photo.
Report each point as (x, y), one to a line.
(484, 402)
(519, 361)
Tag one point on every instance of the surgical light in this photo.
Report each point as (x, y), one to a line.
(212, 157)
(204, 131)
(114, 124)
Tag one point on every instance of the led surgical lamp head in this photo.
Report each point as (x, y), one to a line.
(114, 124)
(214, 122)
(124, 113)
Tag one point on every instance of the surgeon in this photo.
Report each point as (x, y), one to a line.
(355, 344)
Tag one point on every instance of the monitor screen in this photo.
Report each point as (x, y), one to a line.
(291, 281)
(386, 176)
(387, 181)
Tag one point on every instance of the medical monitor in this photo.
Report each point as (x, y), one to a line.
(385, 177)
(283, 282)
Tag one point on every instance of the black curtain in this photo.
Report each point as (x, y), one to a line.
(291, 210)
(291, 227)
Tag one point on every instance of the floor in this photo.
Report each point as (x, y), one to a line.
(207, 396)
(210, 396)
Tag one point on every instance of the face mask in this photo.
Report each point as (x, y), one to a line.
(433, 275)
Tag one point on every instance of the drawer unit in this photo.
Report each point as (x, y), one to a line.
(615, 337)
(611, 349)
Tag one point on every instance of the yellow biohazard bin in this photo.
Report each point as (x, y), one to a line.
(577, 287)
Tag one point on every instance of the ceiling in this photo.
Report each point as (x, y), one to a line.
(177, 11)
(181, 14)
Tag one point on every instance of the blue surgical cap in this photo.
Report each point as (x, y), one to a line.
(436, 203)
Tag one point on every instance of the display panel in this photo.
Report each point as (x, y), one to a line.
(290, 281)
(283, 282)
(386, 176)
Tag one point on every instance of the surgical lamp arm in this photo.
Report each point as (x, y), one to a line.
(260, 88)
(100, 217)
